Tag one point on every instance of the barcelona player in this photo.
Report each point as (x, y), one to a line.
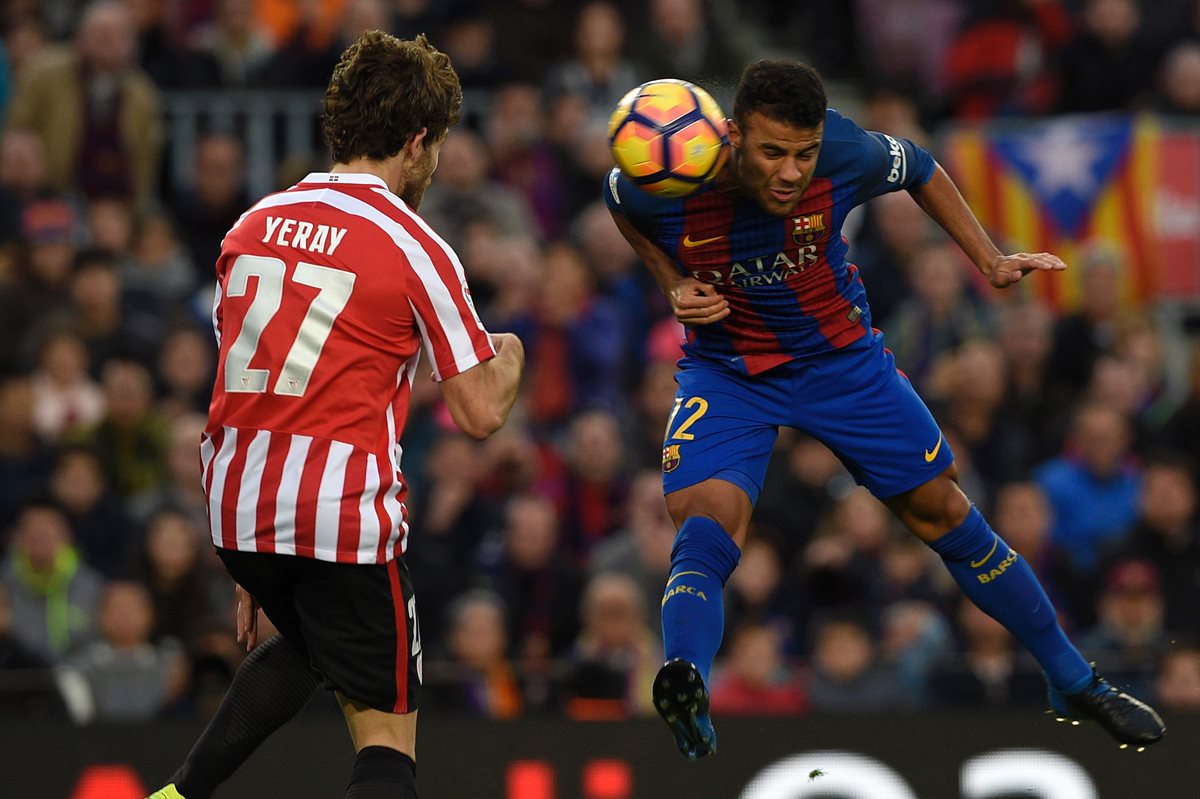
(779, 333)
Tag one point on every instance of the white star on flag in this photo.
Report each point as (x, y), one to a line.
(1063, 160)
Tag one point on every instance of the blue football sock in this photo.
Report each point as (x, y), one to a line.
(693, 614)
(1002, 585)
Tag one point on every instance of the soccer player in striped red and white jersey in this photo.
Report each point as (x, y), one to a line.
(326, 293)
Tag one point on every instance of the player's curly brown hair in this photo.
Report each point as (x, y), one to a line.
(781, 89)
(383, 91)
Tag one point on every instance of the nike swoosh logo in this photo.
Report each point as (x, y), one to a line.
(995, 543)
(688, 242)
(929, 456)
(680, 574)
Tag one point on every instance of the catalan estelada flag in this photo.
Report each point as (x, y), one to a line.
(1128, 184)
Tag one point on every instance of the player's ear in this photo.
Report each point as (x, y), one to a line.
(416, 143)
(735, 134)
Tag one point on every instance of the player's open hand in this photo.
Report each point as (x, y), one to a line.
(697, 303)
(247, 617)
(1008, 269)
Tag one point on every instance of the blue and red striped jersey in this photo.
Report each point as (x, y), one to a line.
(791, 291)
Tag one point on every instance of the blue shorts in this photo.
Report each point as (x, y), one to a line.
(853, 401)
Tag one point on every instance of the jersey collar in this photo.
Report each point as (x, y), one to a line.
(359, 178)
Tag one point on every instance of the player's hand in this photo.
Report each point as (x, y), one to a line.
(697, 303)
(247, 617)
(1008, 269)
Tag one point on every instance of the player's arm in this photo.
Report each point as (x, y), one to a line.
(940, 198)
(480, 398)
(694, 302)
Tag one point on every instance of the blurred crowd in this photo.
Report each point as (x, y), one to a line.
(539, 556)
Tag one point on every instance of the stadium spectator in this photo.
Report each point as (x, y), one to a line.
(109, 327)
(684, 41)
(100, 527)
(1166, 535)
(26, 696)
(595, 482)
(1178, 91)
(757, 594)
(524, 157)
(894, 231)
(800, 491)
(65, 396)
(188, 594)
(987, 669)
(131, 439)
(213, 202)
(615, 655)
(1092, 485)
(539, 586)
(306, 58)
(905, 43)
(25, 460)
(847, 673)
(1178, 683)
(95, 110)
(38, 292)
(1025, 334)
(464, 194)
(1001, 62)
(52, 593)
(181, 489)
(449, 516)
(158, 274)
(972, 386)
(1181, 430)
(1082, 336)
(914, 636)
(756, 679)
(1129, 638)
(575, 343)
(1023, 516)
(1110, 63)
(939, 316)
(476, 678)
(130, 678)
(233, 44)
(184, 367)
(648, 411)
(597, 70)
(641, 549)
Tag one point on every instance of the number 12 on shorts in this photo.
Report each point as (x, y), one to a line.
(700, 406)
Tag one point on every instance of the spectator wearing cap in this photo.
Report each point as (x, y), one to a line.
(1129, 639)
(95, 110)
(40, 290)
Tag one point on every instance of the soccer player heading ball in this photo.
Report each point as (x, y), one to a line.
(326, 293)
(780, 334)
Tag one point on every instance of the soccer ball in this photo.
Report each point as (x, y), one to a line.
(669, 137)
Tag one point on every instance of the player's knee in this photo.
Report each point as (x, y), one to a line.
(939, 504)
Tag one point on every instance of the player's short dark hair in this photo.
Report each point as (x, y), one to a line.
(781, 89)
(384, 90)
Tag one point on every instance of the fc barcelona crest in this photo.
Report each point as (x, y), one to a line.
(808, 228)
(670, 457)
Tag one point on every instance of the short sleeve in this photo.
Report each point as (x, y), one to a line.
(451, 330)
(891, 163)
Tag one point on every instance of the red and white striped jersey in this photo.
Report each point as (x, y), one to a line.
(325, 293)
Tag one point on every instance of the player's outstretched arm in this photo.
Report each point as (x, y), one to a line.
(940, 198)
(480, 398)
(694, 302)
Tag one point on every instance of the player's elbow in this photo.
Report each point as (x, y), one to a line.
(479, 422)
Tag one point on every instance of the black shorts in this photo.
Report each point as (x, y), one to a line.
(356, 622)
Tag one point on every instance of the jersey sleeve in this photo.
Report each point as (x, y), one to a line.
(884, 163)
(623, 197)
(440, 298)
(893, 163)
